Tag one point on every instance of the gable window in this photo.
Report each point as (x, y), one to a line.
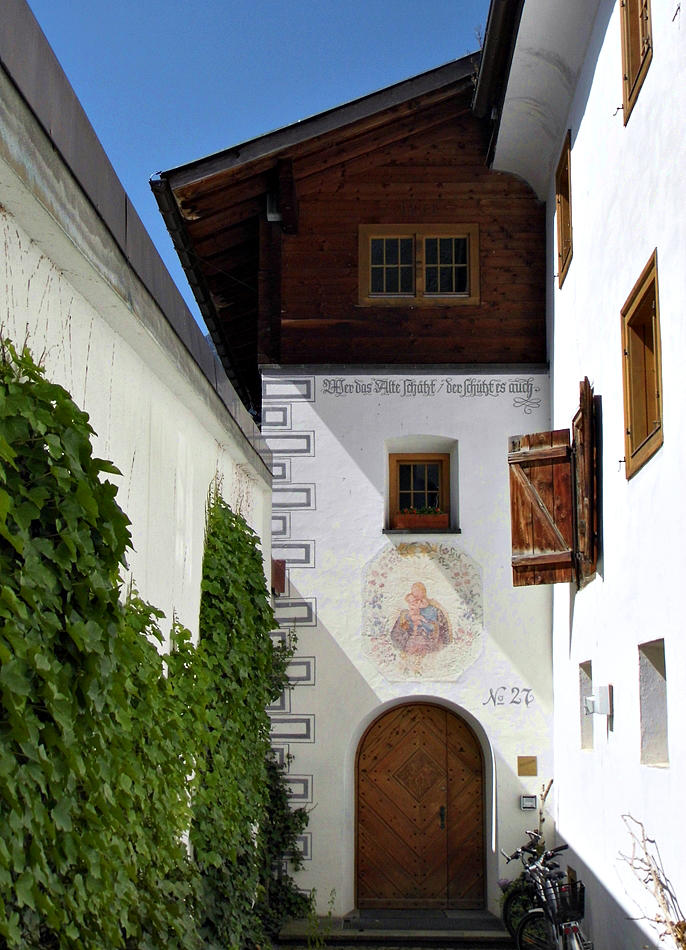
(431, 265)
(419, 490)
(563, 200)
(637, 49)
(391, 265)
(642, 370)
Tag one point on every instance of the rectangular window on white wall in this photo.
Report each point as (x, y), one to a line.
(585, 692)
(652, 679)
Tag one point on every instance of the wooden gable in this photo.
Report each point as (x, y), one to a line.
(268, 235)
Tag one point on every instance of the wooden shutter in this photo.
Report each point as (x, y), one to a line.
(585, 431)
(278, 576)
(541, 506)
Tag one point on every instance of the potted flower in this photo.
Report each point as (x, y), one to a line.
(422, 519)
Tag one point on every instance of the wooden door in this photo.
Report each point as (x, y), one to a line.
(420, 811)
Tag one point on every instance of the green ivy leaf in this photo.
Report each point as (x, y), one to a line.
(62, 814)
(24, 890)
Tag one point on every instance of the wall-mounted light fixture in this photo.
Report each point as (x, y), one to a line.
(600, 703)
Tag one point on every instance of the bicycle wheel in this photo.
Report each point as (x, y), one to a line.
(535, 932)
(517, 901)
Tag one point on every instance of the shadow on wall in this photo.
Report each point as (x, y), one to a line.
(611, 925)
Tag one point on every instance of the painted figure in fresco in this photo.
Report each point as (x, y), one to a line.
(423, 627)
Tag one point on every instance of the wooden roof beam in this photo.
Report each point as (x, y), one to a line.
(287, 197)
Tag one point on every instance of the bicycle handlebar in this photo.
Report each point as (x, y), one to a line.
(529, 848)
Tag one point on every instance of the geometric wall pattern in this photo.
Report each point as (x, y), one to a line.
(289, 499)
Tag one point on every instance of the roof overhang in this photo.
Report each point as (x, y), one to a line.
(530, 102)
(213, 207)
(332, 120)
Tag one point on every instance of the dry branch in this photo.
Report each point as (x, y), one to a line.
(646, 863)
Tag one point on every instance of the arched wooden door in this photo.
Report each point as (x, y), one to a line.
(420, 836)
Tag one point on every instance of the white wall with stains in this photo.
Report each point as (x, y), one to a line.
(69, 293)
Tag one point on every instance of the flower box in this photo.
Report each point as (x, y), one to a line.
(417, 522)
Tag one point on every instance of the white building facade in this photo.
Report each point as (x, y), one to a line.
(333, 432)
(597, 86)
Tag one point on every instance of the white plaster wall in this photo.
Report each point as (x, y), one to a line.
(348, 469)
(628, 196)
(148, 420)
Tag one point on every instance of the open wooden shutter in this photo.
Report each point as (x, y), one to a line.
(586, 455)
(278, 576)
(541, 505)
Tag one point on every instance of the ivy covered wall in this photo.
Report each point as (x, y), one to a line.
(112, 754)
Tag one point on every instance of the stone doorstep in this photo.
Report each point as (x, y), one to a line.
(351, 932)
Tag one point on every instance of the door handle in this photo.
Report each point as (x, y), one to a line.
(441, 815)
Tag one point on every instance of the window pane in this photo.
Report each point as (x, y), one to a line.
(391, 250)
(432, 500)
(405, 477)
(377, 280)
(404, 500)
(406, 282)
(392, 280)
(431, 251)
(461, 284)
(419, 474)
(431, 280)
(432, 476)
(406, 251)
(376, 252)
(446, 250)
(460, 250)
(446, 284)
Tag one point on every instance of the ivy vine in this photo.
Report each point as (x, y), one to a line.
(236, 781)
(109, 750)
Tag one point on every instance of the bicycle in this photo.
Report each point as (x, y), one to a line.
(520, 894)
(554, 923)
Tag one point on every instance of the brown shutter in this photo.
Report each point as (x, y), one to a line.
(278, 576)
(541, 508)
(584, 429)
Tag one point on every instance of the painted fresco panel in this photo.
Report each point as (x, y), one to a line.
(422, 611)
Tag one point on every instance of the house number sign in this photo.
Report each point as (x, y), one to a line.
(509, 696)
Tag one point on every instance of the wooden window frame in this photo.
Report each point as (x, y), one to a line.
(394, 461)
(637, 49)
(642, 371)
(563, 205)
(419, 297)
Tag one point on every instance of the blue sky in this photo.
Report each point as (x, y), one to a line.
(166, 81)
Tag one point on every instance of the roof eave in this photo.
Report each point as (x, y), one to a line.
(496, 59)
(338, 117)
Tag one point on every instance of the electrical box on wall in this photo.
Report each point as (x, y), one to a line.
(527, 802)
(600, 703)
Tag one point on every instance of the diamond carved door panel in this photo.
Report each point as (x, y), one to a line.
(419, 811)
